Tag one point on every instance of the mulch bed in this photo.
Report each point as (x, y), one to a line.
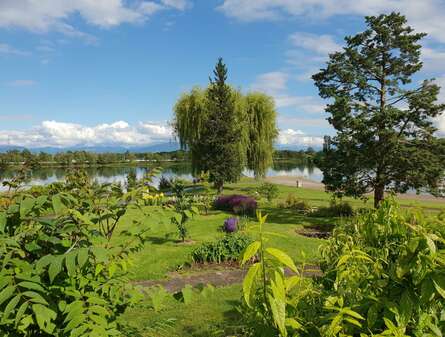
(317, 232)
(214, 274)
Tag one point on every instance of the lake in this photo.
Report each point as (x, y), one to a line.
(118, 174)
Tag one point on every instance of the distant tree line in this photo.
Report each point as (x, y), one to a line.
(72, 158)
(85, 158)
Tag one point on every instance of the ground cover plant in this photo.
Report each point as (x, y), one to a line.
(61, 273)
(383, 275)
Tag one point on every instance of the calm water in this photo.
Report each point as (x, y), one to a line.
(182, 170)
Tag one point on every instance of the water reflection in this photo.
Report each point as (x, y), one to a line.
(118, 174)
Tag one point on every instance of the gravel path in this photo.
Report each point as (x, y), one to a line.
(216, 277)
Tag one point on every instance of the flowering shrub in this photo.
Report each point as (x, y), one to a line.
(230, 225)
(238, 204)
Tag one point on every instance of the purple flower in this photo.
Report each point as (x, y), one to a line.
(230, 225)
(239, 204)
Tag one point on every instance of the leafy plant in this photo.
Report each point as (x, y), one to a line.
(265, 286)
(61, 273)
(229, 248)
(295, 203)
(183, 208)
(335, 209)
(268, 191)
(383, 275)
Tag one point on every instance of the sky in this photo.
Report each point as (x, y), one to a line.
(108, 72)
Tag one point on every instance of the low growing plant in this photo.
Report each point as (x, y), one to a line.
(229, 248)
(295, 203)
(268, 191)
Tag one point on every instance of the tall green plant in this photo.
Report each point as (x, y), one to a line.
(225, 130)
(61, 274)
(265, 286)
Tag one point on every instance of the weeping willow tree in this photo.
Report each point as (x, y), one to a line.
(250, 120)
(262, 131)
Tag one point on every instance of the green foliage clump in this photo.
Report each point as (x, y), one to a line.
(61, 274)
(382, 112)
(225, 130)
(268, 191)
(295, 203)
(229, 248)
(383, 275)
(336, 208)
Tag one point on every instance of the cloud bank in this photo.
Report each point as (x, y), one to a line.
(120, 133)
(54, 15)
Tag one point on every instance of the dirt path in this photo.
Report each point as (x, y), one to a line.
(314, 185)
(216, 277)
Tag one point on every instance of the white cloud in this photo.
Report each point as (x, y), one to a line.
(271, 83)
(320, 44)
(433, 59)
(53, 15)
(298, 122)
(22, 83)
(59, 134)
(425, 15)
(7, 49)
(120, 133)
(298, 137)
(275, 84)
(178, 4)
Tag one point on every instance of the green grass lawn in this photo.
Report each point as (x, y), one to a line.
(216, 315)
(212, 315)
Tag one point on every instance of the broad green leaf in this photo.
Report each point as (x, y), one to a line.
(6, 293)
(352, 313)
(250, 251)
(10, 307)
(3, 221)
(20, 312)
(249, 280)
(283, 258)
(44, 316)
(35, 297)
(293, 323)
(43, 262)
(58, 205)
(82, 257)
(292, 281)
(55, 267)
(26, 206)
(31, 286)
(70, 262)
(439, 284)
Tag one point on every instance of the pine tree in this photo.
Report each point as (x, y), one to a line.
(385, 135)
(220, 138)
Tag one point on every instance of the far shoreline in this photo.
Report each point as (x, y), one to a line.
(315, 185)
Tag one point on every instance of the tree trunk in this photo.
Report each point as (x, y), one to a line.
(219, 186)
(379, 195)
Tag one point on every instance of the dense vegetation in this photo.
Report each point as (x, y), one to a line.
(226, 131)
(385, 137)
(289, 261)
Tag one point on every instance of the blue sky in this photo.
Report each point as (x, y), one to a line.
(108, 72)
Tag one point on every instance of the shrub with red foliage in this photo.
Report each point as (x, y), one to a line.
(238, 204)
